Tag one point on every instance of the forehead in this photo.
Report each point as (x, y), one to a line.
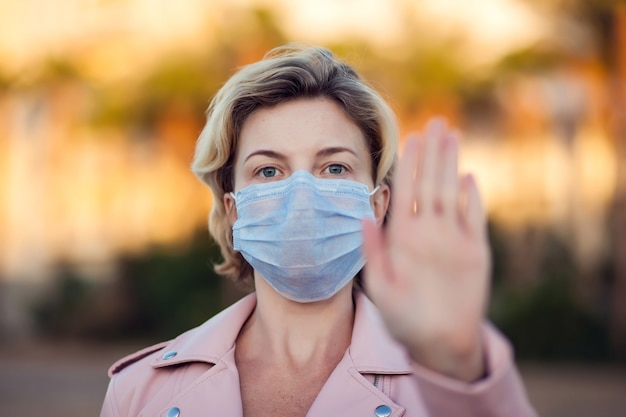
(300, 125)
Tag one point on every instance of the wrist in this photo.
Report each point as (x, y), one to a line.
(462, 361)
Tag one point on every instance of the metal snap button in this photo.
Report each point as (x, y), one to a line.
(173, 412)
(169, 355)
(382, 411)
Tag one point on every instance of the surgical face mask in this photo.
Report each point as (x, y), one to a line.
(303, 234)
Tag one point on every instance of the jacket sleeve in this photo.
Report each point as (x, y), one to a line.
(500, 394)
(109, 407)
(120, 400)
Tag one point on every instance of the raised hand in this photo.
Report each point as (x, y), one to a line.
(428, 270)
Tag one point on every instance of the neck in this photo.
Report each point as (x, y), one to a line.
(297, 334)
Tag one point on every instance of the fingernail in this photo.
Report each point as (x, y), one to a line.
(436, 123)
(451, 139)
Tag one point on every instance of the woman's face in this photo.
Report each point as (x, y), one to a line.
(313, 135)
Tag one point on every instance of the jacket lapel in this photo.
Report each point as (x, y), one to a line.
(214, 393)
(372, 351)
(212, 389)
(211, 341)
(348, 393)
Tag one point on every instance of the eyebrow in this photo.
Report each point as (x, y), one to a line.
(334, 150)
(321, 153)
(266, 152)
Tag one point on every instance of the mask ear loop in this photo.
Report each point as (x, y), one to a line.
(371, 193)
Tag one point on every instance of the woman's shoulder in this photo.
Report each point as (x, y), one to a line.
(206, 343)
(140, 378)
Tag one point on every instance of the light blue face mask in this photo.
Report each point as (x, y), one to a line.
(303, 234)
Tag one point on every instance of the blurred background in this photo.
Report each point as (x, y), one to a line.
(103, 240)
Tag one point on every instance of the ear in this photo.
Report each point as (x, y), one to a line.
(380, 203)
(231, 208)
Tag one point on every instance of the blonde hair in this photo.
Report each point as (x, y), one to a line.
(285, 73)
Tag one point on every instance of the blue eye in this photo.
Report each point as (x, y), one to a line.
(336, 169)
(268, 172)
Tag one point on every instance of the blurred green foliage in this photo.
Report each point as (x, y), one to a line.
(545, 320)
(58, 313)
(170, 291)
(165, 291)
(157, 294)
(547, 323)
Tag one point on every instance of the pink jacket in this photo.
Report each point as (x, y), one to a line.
(195, 375)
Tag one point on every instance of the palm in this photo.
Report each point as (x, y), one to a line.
(428, 271)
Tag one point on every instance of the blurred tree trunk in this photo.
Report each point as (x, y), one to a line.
(607, 20)
(616, 65)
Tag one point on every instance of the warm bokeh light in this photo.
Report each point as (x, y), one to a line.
(87, 194)
(101, 102)
(72, 190)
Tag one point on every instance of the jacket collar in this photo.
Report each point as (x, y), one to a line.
(372, 349)
(211, 341)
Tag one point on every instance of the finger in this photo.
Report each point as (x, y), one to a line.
(449, 189)
(376, 267)
(403, 195)
(426, 178)
(473, 215)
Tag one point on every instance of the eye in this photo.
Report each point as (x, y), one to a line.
(336, 169)
(268, 172)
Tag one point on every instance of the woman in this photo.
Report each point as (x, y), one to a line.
(299, 155)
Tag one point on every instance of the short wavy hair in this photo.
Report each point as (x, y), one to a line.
(285, 73)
